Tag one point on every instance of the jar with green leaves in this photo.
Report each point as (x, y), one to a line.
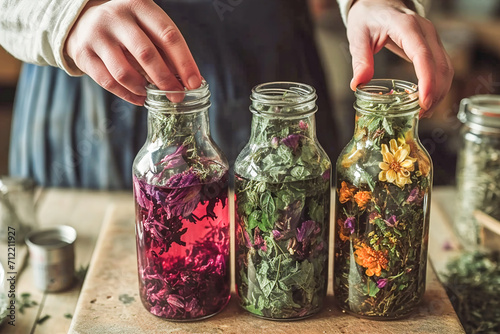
(478, 170)
(383, 179)
(282, 191)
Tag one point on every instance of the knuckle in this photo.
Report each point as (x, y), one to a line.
(108, 83)
(146, 54)
(171, 36)
(121, 75)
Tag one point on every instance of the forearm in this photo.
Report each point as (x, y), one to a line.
(35, 31)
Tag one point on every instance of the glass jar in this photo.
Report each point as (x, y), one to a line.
(182, 218)
(282, 200)
(384, 178)
(17, 207)
(478, 168)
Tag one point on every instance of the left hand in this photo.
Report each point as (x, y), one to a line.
(373, 24)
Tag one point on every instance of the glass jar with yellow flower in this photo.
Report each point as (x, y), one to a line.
(384, 178)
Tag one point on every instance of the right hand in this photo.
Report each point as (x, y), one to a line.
(123, 44)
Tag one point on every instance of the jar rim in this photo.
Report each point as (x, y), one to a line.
(193, 100)
(283, 99)
(481, 109)
(391, 97)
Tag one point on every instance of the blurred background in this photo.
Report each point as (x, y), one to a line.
(469, 29)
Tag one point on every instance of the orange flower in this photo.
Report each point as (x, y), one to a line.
(362, 198)
(346, 192)
(374, 261)
(342, 230)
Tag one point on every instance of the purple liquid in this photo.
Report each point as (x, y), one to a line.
(183, 249)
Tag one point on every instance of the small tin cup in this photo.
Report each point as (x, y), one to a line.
(52, 257)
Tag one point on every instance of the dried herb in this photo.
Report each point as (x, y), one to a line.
(383, 185)
(43, 319)
(473, 285)
(25, 302)
(184, 273)
(81, 272)
(478, 180)
(68, 315)
(282, 188)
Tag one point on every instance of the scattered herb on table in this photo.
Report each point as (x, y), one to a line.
(383, 185)
(25, 301)
(43, 319)
(81, 272)
(473, 285)
(282, 217)
(68, 315)
(126, 299)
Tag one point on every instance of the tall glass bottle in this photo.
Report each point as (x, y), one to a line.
(182, 220)
(282, 191)
(384, 178)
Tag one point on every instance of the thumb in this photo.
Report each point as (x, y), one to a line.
(362, 59)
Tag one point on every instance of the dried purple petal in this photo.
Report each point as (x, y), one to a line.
(392, 221)
(276, 234)
(303, 125)
(305, 230)
(413, 195)
(349, 224)
(292, 141)
(326, 174)
(175, 159)
(381, 283)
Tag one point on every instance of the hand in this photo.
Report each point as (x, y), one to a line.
(373, 24)
(122, 44)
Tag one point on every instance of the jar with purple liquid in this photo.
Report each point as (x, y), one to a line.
(182, 214)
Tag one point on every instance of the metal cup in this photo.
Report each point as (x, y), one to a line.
(52, 257)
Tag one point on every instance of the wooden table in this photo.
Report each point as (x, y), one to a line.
(109, 300)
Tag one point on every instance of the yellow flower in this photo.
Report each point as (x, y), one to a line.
(397, 164)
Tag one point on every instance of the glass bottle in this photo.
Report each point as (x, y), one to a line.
(17, 207)
(182, 218)
(4, 299)
(282, 200)
(478, 169)
(384, 178)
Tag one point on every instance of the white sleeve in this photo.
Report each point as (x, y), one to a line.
(345, 5)
(35, 31)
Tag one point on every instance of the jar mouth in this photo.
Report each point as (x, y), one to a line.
(283, 99)
(171, 101)
(387, 97)
(481, 109)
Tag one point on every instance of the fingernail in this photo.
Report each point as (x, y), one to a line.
(194, 82)
(350, 84)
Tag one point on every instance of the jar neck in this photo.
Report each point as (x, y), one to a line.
(386, 108)
(177, 117)
(282, 109)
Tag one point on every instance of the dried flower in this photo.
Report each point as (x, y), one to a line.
(342, 230)
(352, 157)
(275, 142)
(424, 163)
(326, 174)
(381, 283)
(392, 221)
(292, 141)
(346, 192)
(362, 198)
(175, 159)
(397, 164)
(303, 125)
(349, 224)
(306, 229)
(374, 261)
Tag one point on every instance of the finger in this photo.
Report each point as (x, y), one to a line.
(390, 45)
(408, 35)
(169, 39)
(444, 68)
(361, 49)
(148, 57)
(103, 77)
(121, 70)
